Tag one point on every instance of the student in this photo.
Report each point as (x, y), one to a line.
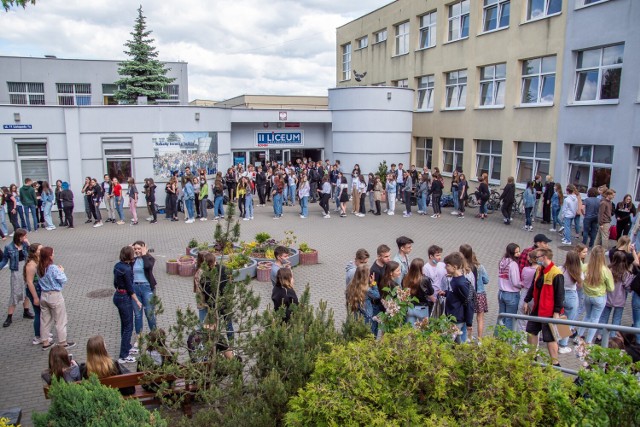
(421, 193)
(241, 191)
(389, 279)
(407, 190)
(405, 245)
(58, 191)
(436, 193)
(47, 197)
(547, 193)
(303, 194)
(624, 211)
(362, 193)
(248, 200)
(282, 260)
(119, 200)
(100, 363)
(617, 299)
(598, 281)
(86, 189)
(324, 196)
(124, 298)
(29, 201)
(277, 192)
(207, 294)
(605, 211)
(463, 187)
(569, 212)
(96, 197)
(391, 193)
(509, 283)
(527, 275)
(33, 289)
(283, 293)
(573, 280)
(419, 287)
(66, 200)
(362, 296)
(144, 286)
(590, 221)
(61, 366)
(480, 281)
(529, 200)
(107, 192)
(457, 303)
(455, 179)
(362, 258)
(150, 198)
(218, 199)
(508, 198)
(377, 195)
(435, 269)
(371, 181)
(343, 190)
(383, 256)
(557, 200)
(189, 200)
(15, 255)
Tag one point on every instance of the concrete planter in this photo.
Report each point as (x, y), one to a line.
(172, 267)
(294, 257)
(186, 267)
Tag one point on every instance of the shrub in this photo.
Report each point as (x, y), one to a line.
(193, 243)
(262, 237)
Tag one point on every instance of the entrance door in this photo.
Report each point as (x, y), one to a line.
(286, 156)
(257, 158)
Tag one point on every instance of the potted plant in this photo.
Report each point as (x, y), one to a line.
(193, 243)
(264, 271)
(308, 256)
(172, 266)
(186, 266)
(242, 264)
(263, 249)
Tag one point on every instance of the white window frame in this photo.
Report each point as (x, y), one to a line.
(601, 69)
(494, 78)
(499, 6)
(346, 61)
(456, 90)
(362, 42)
(535, 160)
(32, 143)
(72, 93)
(424, 152)
(457, 20)
(542, 75)
(173, 91)
(425, 92)
(117, 149)
(402, 31)
(495, 152)
(380, 36)
(32, 93)
(428, 28)
(545, 12)
(455, 155)
(583, 3)
(401, 83)
(588, 163)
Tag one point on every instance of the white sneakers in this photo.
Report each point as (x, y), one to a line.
(128, 359)
(190, 221)
(564, 350)
(98, 224)
(326, 216)
(203, 219)
(454, 212)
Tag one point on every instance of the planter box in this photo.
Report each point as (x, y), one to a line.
(294, 257)
(187, 268)
(264, 271)
(172, 267)
(309, 258)
(248, 271)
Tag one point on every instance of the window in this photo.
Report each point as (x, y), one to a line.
(495, 14)
(173, 91)
(32, 158)
(532, 159)
(117, 158)
(26, 93)
(489, 158)
(456, 89)
(108, 91)
(424, 152)
(452, 155)
(74, 93)
(346, 61)
(537, 9)
(583, 3)
(380, 36)
(401, 83)
(379, 84)
(459, 20)
(492, 84)
(590, 166)
(598, 73)
(402, 38)
(538, 80)
(425, 93)
(363, 42)
(428, 30)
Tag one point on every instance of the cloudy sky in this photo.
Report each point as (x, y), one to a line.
(233, 47)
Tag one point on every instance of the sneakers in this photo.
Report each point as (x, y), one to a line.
(38, 340)
(343, 215)
(120, 222)
(97, 224)
(564, 350)
(128, 359)
(561, 230)
(326, 216)
(302, 216)
(553, 229)
(391, 213)
(454, 212)
(434, 216)
(276, 217)
(203, 218)
(406, 215)
(246, 219)
(51, 228)
(460, 215)
(150, 218)
(46, 347)
(134, 350)
(190, 221)
(153, 221)
(361, 215)
(566, 242)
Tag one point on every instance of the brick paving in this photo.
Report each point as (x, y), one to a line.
(89, 255)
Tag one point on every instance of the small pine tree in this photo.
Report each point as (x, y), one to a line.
(382, 173)
(143, 74)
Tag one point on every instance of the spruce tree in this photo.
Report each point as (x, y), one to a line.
(143, 74)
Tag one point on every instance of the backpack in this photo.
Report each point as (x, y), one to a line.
(471, 296)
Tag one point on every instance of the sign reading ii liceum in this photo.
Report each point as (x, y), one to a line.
(279, 138)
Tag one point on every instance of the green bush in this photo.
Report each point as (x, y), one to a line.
(89, 403)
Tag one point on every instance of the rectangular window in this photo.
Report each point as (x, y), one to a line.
(379, 84)
(424, 152)
(173, 91)
(428, 30)
(425, 93)
(538, 9)
(590, 166)
(459, 20)
(489, 158)
(456, 89)
(402, 38)
(346, 61)
(452, 154)
(583, 3)
(532, 159)
(492, 85)
(108, 91)
(495, 14)
(118, 163)
(538, 80)
(74, 93)
(380, 36)
(26, 93)
(32, 158)
(401, 83)
(598, 73)
(363, 42)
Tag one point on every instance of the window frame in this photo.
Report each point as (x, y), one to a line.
(455, 88)
(173, 90)
(461, 19)
(403, 83)
(360, 44)
(39, 158)
(426, 92)
(402, 40)
(380, 36)
(600, 68)
(542, 77)
(75, 93)
(426, 149)
(545, 14)
(496, 83)
(499, 5)
(117, 150)
(636, 195)
(492, 154)
(429, 29)
(588, 163)
(455, 153)
(28, 93)
(535, 160)
(580, 4)
(346, 61)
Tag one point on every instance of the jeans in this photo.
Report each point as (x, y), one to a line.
(635, 307)
(203, 207)
(417, 313)
(391, 199)
(145, 294)
(594, 307)
(508, 303)
(554, 216)
(580, 304)
(20, 212)
(190, 208)
(125, 310)
(590, 230)
(36, 310)
(292, 194)
(422, 203)
(47, 214)
(407, 200)
(119, 207)
(248, 206)
(33, 210)
(218, 206)
(462, 338)
(571, 306)
(277, 204)
(567, 229)
(456, 198)
(304, 206)
(3, 221)
(527, 213)
(617, 318)
(576, 223)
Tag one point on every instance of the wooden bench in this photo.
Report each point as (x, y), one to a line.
(147, 398)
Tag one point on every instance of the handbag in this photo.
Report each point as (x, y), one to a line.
(209, 204)
(560, 331)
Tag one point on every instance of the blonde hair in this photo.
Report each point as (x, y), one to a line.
(595, 267)
(357, 289)
(623, 243)
(98, 360)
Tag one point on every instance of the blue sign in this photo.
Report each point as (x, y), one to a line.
(271, 138)
(16, 126)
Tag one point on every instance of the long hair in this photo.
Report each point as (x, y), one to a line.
(285, 278)
(58, 361)
(46, 259)
(510, 252)
(386, 281)
(32, 256)
(18, 235)
(573, 266)
(469, 255)
(619, 266)
(595, 267)
(46, 188)
(414, 276)
(357, 288)
(558, 188)
(98, 360)
(623, 243)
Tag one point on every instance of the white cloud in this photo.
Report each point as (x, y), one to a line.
(232, 47)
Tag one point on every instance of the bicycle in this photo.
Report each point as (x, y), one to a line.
(493, 204)
(518, 205)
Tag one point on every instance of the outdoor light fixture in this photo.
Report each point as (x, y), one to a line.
(16, 117)
(197, 117)
(389, 95)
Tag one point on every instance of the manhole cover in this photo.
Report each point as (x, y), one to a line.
(100, 293)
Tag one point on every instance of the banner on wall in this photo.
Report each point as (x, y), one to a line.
(294, 138)
(174, 151)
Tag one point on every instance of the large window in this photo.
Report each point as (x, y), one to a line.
(537, 9)
(173, 91)
(380, 36)
(532, 159)
(74, 93)
(424, 152)
(118, 163)
(428, 30)
(590, 166)
(346, 61)
(456, 89)
(495, 14)
(489, 158)
(362, 42)
(538, 80)
(108, 92)
(425, 93)
(402, 38)
(26, 93)
(452, 154)
(459, 20)
(492, 85)
(32, 158)
(598, 73)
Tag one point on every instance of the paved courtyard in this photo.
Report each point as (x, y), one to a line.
(88, 256)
